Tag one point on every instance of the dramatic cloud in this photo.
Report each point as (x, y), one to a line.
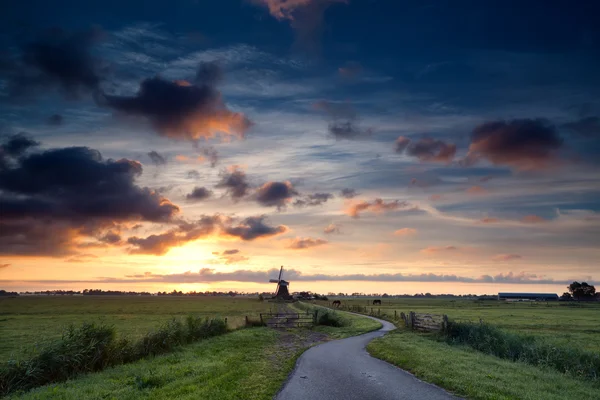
(111, 237)
(180, 110)
(437, 249)
(207, 275)
(235, 182)
(254, 228)
(275, 194)
(15, 146)
(426, 149)
(348, 193)
(332, 228)
(523, 144)
(185, 232)
(199, 193)
(58, 59)
(51, 200)
(405, 232)
(587, 127)
(343, 120)
(157, 159)
(305, 243)
(315, 199)
(506, 257)
(355, 208)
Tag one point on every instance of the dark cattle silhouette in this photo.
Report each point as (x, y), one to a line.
(336, 303)
(376, 302)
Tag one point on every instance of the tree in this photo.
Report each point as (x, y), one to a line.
(566, 296)
(582, 290)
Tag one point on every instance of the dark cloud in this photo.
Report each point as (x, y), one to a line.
(157, 159)
(521, 143)
(343, 120)
(275, 194)
(212, 155)
(305, 243)
(355, 208)
(111, 238)
(51, 200)
(15, 145)
(348, 193)
(185, 232)
(426, 149)
(254, 228)
(587, 127)
(229, 252)
(209, 73)
(232, 256)
(199, 193)
(315, 199)
(192, 174)
(235, 182)
(59, 59)
(180, 110)
(55, 120)
(506, 257)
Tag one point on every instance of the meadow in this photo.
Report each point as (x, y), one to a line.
(27, 322)
(572, 324)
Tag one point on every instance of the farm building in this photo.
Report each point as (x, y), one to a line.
(528, 296)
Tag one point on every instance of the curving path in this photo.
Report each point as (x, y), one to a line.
(343, 370)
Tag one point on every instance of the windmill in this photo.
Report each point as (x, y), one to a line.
(281, 292)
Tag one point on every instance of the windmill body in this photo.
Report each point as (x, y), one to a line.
(282, 291)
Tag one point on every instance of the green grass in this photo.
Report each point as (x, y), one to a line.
(354, 324)
(29, 321)
(562, 324)
(470, 373)
(239, 365)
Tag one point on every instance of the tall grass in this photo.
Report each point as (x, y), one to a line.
(324, 316)
(92, 347)
(528, 349)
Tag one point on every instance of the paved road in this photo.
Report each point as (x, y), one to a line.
(343, 370)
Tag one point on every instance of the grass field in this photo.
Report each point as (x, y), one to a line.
(575, 325)
(245, 364)
(27, 321)
(474, 375)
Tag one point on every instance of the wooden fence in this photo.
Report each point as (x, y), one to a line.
(287, 320)
(425, 322)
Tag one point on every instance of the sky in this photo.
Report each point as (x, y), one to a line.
(366, 146)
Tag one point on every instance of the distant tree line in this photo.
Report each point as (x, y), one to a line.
(4, 293)
(580, 291)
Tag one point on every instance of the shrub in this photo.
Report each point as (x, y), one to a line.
(528, 349)
(93, 347)
(329, 318)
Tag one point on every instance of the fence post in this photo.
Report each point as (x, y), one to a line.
(395, 316)
(246, 320)
(261, 320)
(412, 320)
(371, 310)
(225, 321)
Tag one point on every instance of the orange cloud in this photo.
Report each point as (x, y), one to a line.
(376, 206)
(190, 160)
(405, 232)
(532, 219)
(305, 243)
(506, 257)
(489, 220)
(476, 190)
(285, 9)
(438, 249)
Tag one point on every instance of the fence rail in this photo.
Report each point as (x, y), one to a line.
(287, 320)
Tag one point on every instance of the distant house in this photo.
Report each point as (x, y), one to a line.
(528, 296)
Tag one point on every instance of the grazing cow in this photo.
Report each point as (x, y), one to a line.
(336, 303)
(376, 302)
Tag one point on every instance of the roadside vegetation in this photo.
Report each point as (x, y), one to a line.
(475, 375)
(338, 325)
